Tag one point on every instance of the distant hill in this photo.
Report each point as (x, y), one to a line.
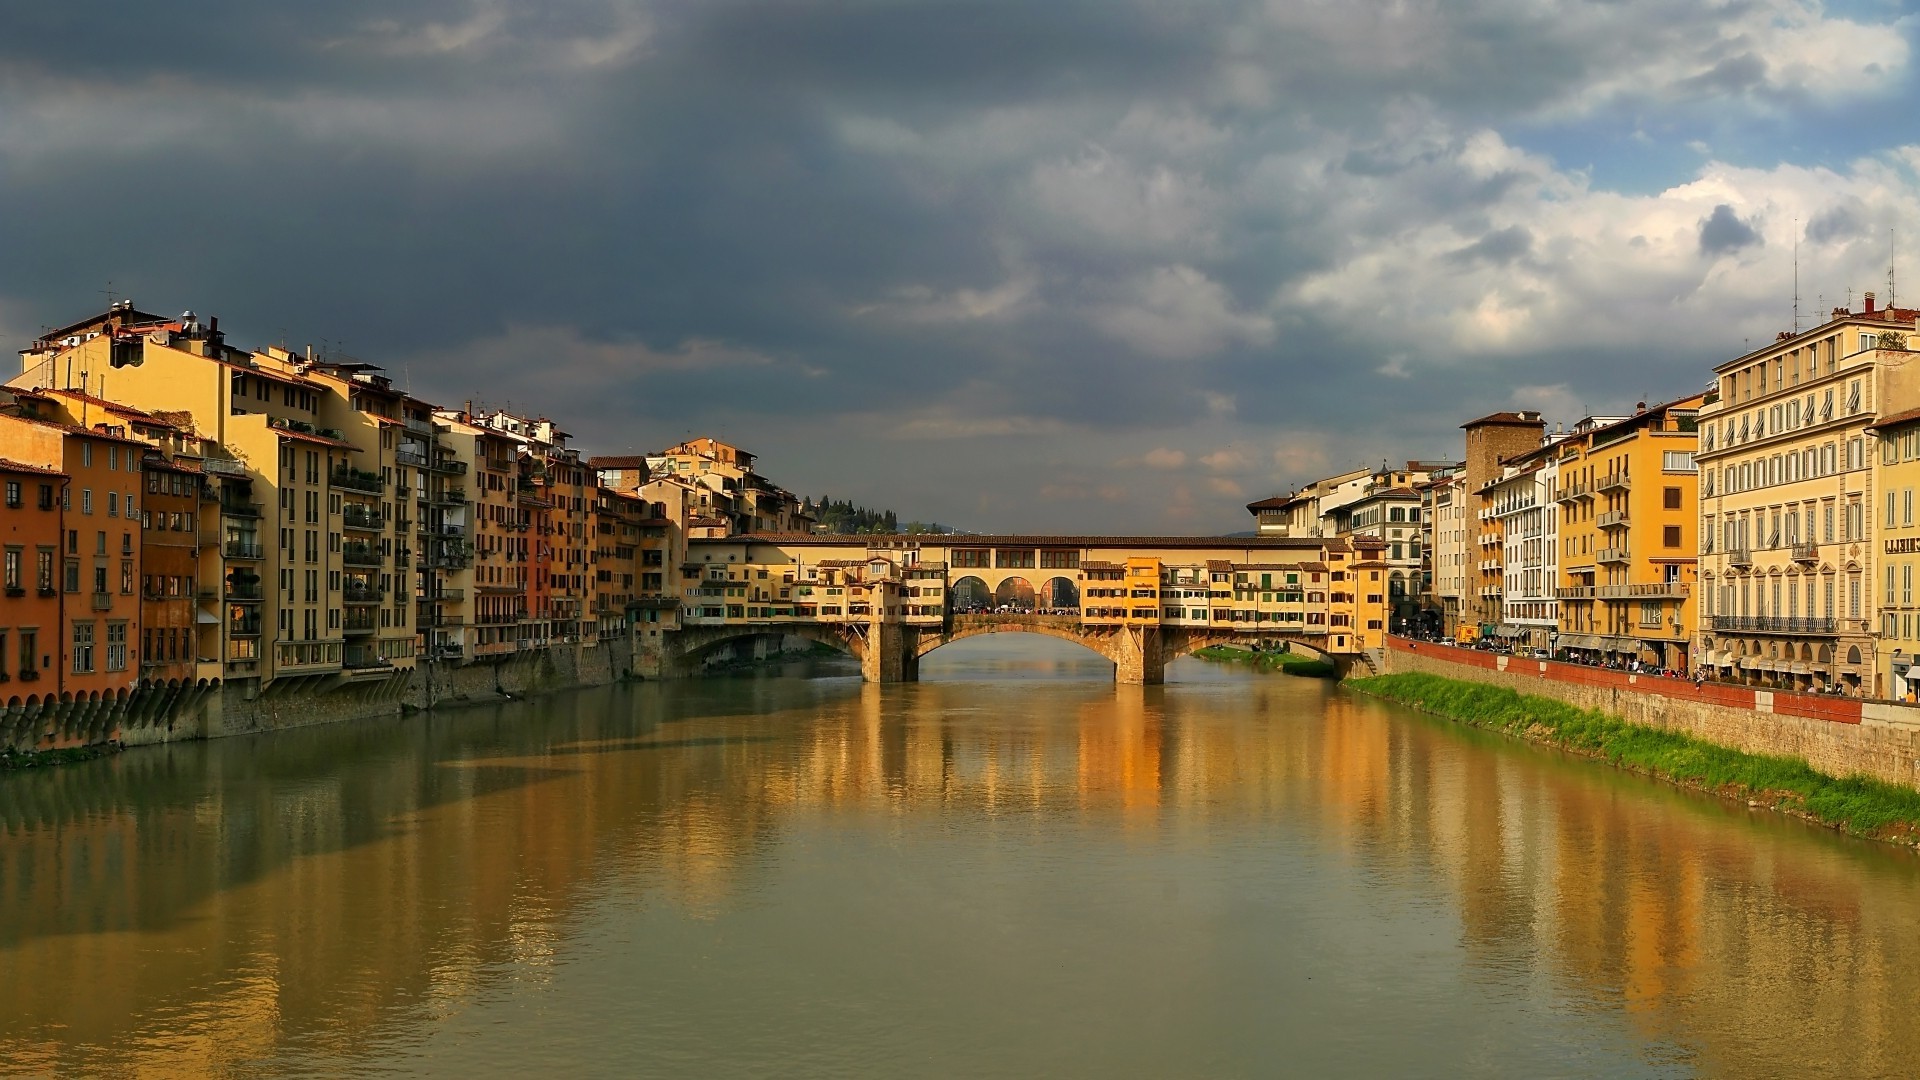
(843, 518)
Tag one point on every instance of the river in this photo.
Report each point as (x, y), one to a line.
(1011, 868)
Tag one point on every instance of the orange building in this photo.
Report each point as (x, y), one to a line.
(30, 531)
(98, 632)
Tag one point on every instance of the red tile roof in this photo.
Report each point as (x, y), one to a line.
(9, 465)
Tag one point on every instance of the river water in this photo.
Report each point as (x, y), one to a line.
(1011, 868)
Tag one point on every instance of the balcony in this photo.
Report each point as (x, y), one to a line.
(244, 628)
(362, 518)
(238, 509)
(410, 457)
(448, 528)
(450, 466)
(1574, 592)
(1739, 556)
(1571, 492)
(444, 596)
(363, 595)
(102, 601)
(445, 560)
(1611, 518)
(449, 497)
(1772, 624)
(360, 555)
(359, 622)
(243, 592)
(419, 426)
(1616, 482)
(1646, 590)
(223, 467)
(1806, 553)
(1610, 555)
(357, 480)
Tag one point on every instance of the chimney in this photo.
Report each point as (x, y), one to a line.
(1869, 303)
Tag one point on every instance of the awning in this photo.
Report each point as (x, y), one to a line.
(206, 618)
(1579, 641)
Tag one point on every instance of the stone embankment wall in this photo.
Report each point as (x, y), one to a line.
(1838, 736)
(149, 716)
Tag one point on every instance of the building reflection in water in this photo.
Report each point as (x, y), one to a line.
(207, 907)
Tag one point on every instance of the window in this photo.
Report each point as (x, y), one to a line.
(29, 648)
(116, 646)
(1670, 536)
(82, 648)
(13, 494)
(15, 556)
(86, 500)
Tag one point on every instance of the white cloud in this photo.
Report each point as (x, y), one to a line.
(1178, 313)
(1161, 457)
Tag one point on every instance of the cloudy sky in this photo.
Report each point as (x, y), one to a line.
(1072, 265)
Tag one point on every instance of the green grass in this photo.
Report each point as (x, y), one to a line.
(32, 759)
(1855, 804)
(1291, 663)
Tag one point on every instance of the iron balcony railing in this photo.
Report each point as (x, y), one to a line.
(1616, 482)
(242, 549)
(236, 508)
(363, 595)
(1650, 590)
(451, 466)
(1772, 624)
(355, 517)
(1808, 552)
(1611, 518)
(1740, 556)
(357, 555)
(409, 457)
(357, 480)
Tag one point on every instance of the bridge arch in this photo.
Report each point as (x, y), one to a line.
(692, 644)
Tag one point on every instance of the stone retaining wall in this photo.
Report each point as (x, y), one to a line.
(1838, 736)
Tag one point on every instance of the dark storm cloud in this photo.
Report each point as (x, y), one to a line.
(1723, 231)
(965, 231)
(1500, 247)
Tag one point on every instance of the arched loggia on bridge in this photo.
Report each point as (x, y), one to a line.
(969, 594)
(1057, 594)
(1014, 594)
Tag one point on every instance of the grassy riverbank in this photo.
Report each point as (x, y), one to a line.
(1854, 804)
(33, 759)
(1291, 663)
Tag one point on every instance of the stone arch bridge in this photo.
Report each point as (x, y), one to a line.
(891, 653)
(1138, 601)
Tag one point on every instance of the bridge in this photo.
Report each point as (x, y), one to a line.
(1138, 601)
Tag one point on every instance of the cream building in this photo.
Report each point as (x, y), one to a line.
(1788, 533)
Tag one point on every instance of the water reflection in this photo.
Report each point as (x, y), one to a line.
(348, 897)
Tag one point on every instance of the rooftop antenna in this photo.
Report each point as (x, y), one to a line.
(1891, 237)
(1796, 276)
(108, 293)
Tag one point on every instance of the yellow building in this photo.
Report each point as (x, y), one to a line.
(1628, 499)
(1788, 546)
(1896, 475)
